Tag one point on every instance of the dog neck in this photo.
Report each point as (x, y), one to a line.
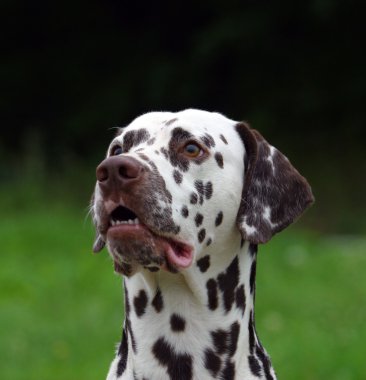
(197, 324)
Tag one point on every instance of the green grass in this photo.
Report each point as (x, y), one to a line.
(61, 306)
(311, 310)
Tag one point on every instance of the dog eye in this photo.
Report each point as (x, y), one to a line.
(192, 150)
(116, 150)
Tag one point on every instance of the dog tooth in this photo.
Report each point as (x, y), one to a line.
(113, 223)
(136, 221)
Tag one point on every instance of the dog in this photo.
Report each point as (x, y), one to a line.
(181, 202)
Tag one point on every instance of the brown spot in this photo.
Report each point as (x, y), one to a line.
(171, 121)
(177, 323)
(123, 353)
(140, 303)
(253, 270)
(208, 140)
(234, 336)
(208, 190)
(179, 135)
(144, 157)
(204, 263)
(178, 178)
(222, 137)
(212, 362)
(228, 372)
(203, 189)
(134, 138)
(176, 363)
(219, 159)
(228, 281)
(212, 295)
(198, 219)
(254, 366)
(266, 363)
(240, 299)
(198, 184)
(219, 218)
(184, 211)
(151, 141)
(201, 235)
(193, 198)
(158, 302)
(220, 340)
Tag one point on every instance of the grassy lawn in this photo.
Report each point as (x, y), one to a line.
(61, 306)
(311, 309)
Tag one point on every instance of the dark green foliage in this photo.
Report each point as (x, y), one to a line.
(295, 70)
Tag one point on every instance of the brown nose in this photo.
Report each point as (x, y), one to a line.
(116, 173)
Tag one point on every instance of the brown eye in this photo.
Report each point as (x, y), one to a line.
(116, 150)
(192, 150)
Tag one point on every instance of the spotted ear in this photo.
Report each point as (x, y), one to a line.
(274, 193)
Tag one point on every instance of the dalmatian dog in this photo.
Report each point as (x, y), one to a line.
(181, 202)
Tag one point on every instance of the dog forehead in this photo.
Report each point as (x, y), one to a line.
(197, 122)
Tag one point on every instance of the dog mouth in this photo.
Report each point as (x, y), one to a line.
(130, 241)
(123, 215)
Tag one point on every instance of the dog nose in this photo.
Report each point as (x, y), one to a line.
(118, 172)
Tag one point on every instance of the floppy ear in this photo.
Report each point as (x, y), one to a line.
(274, 193)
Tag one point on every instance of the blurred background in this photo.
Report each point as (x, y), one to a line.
(71, 71)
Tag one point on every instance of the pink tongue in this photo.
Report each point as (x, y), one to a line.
(181, 259)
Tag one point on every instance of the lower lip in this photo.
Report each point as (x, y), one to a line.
(140, 232)
(114, 231)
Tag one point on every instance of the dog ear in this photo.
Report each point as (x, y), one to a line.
(274, 193)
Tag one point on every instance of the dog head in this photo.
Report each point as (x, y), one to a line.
(174, 184)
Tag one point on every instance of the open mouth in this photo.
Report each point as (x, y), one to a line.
(123, 215)
(132, 239)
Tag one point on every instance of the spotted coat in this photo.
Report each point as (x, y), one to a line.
(200, 192)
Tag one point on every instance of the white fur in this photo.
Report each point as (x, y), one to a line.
(185, 293)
